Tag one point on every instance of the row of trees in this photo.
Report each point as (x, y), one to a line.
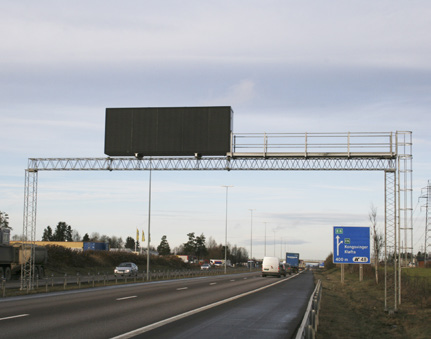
(64, 232)
(199, 247)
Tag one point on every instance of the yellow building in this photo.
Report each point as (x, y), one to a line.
(74, 245)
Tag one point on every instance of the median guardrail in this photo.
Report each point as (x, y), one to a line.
(309, 323)
(52, 282)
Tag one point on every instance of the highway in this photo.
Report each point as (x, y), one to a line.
(237, 305)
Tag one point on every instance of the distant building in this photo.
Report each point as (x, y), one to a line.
(73, 245)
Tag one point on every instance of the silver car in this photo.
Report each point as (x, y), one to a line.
(126, 269)
(205, 267)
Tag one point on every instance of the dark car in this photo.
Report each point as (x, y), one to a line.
(288, 268)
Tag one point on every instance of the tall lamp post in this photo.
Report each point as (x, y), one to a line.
(149, 226)
(265, 239)
(251, 234)
(225, 232)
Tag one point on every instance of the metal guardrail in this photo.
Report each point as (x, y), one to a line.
(309, 323)
(99, 279)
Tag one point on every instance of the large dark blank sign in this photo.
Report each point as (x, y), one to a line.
(168, 131)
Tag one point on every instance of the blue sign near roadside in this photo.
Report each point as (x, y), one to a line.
(351, 245)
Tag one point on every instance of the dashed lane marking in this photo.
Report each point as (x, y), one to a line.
(15, 316)
(125, 298)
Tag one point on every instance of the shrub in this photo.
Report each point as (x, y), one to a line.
(329, 262)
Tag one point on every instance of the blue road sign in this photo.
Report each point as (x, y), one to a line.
(351, 245)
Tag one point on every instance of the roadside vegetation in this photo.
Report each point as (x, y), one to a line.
(63, 260)
(68, 269)
(356, 309)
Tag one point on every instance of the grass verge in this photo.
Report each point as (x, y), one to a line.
(356, 309)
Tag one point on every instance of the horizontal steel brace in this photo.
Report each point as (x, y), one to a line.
(211, 164)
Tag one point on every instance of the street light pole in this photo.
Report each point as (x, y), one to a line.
(251, 234)
(225, 232)
(149, 227)
(265, 239)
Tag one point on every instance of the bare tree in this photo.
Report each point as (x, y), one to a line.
(377, 240)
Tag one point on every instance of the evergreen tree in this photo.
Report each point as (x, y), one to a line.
(200, 248)
(68, 233)
(63, 232)
(130, 243)
(195, 246)
(4, 220)
(190, 246)
(164, 248)
(47, 234)
(86, 237)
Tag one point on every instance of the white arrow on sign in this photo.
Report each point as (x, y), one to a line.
(338, 244)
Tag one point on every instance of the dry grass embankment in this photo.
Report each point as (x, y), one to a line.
(64, 260)
(356, 309)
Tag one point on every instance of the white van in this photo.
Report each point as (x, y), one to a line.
(272, 266)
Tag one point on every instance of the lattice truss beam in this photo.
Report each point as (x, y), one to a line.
(211, 163)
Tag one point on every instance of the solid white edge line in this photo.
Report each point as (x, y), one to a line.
(182, 288)
(15, 316)
(160, 323)
(125, 298)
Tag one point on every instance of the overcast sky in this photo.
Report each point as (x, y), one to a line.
(283, 66)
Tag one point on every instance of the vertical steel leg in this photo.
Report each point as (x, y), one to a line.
(29, 230)
(391, 248)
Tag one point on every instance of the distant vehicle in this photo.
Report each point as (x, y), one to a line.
(185, 258)
(12, 257)
(271, 266)
(301, 265)
(205, 267)
(220, 262)
(288, 268)
(188, 259)
(251, 264)
(126, 269)
(293, 260)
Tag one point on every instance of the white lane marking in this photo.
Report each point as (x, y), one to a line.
(125, 298)
(182, 288)
(245, 278)
(233, 280)
(213, 283)
(15, 316)
(160, 323)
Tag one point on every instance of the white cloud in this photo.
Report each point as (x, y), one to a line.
(238, 94)
(384, 33)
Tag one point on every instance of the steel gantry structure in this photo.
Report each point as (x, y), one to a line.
(390, 152)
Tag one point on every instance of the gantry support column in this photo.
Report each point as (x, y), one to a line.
(29, 229)
(391, 246)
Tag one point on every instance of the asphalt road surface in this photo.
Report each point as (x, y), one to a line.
(235, 306)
